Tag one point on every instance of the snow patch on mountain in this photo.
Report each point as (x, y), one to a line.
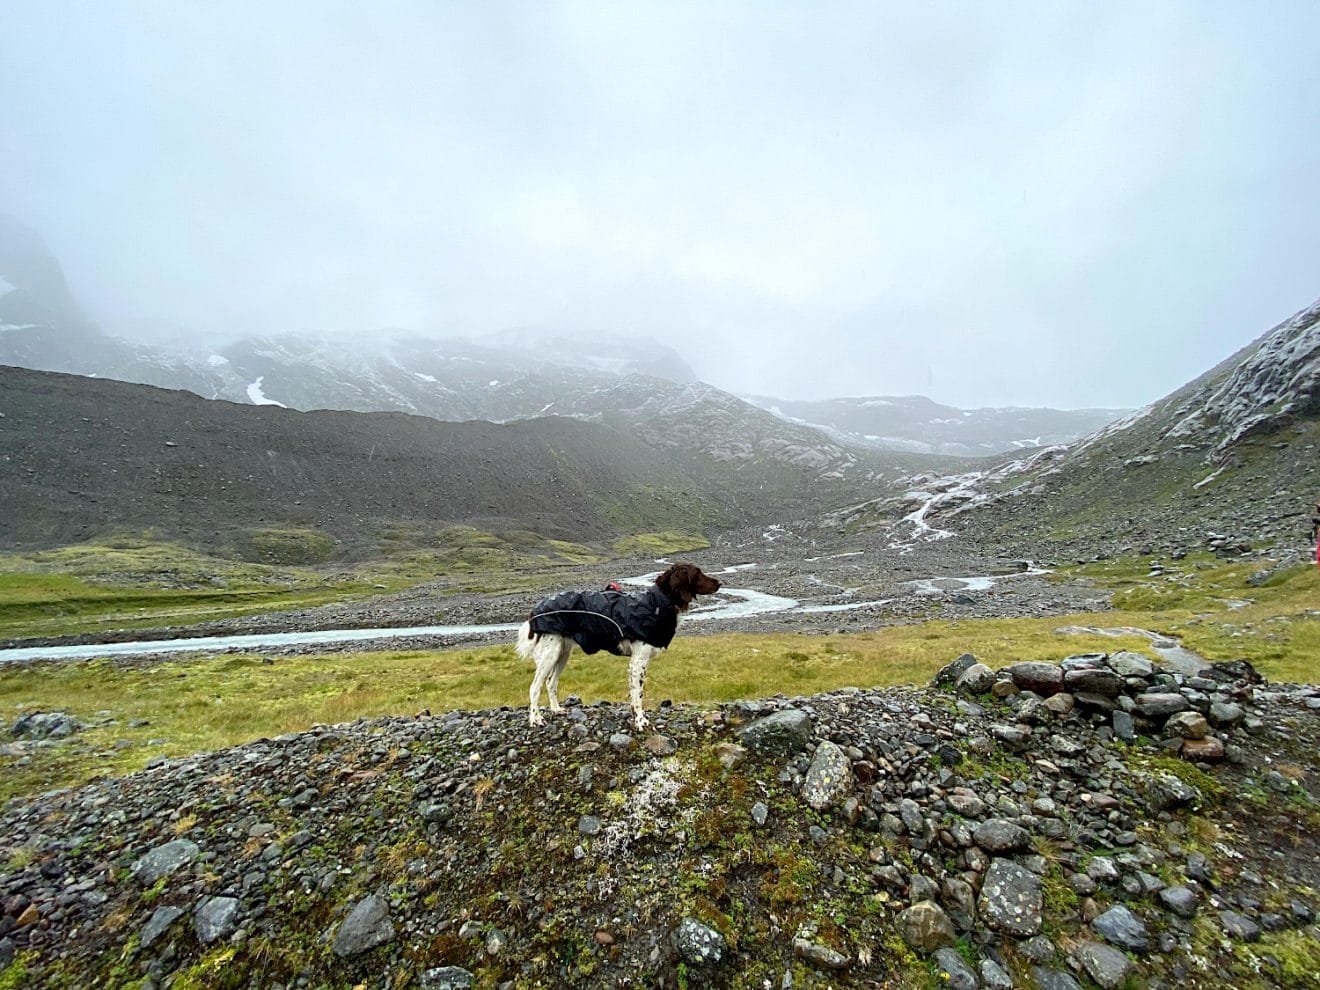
(259, 397)
(1280, 378)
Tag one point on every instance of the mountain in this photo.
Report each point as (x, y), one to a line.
(90, 457)
(1227, 461)
(919, 425)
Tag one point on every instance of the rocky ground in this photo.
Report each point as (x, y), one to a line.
(1098, 822)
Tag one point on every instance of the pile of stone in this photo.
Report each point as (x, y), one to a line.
(1123, 694)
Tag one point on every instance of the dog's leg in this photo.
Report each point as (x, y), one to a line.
(641, 656)
(552, 685)
(546, 654)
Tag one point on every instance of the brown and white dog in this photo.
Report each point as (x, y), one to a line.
(637, 626)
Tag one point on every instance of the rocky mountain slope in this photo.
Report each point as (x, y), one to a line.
(919, 425)
(85, 457)
(1228, 460)
(1101, 822)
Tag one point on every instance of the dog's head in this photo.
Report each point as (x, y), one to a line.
(683, 582)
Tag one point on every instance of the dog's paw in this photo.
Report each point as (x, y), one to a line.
(641, 721)
(535, 718)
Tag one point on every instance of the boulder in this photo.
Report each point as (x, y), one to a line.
(781, 734)
(367, 926)
(1042, 678)
(829, 778)
(1011, 900)
(164, 860)
(925, 927)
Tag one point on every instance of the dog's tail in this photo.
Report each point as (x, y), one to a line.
(526, 641)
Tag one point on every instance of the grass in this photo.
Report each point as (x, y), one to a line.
(193, 705)
(138, 583)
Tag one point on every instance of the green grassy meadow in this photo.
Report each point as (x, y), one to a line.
(200, 703)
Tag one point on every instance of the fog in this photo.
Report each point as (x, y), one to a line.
(991, 204)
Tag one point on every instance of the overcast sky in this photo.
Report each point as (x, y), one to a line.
(989, 203)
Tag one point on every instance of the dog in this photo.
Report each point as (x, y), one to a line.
(637, 626)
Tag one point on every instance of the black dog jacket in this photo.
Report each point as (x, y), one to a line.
(601, 620)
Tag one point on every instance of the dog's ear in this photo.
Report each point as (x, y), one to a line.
(676, 582)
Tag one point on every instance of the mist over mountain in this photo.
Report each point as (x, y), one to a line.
(632, 381)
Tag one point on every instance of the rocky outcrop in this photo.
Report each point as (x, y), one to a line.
(471, 849)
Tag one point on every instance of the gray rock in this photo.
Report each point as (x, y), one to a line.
(698, 944)
(589, 825)
(976, 679)
(953, 971)
(447, 978)
(215, 918)
(158, 924)
(1053, 979)
(1129, 664)
(964, 801)
(994, 976)
(1102, 682)
(829, 779)
(164, 860)
(1011, 899)
(1165, 791)
(1103, 963)
(998, 835)
(760, 814)
(367, 926)
(781, 734)
(948, 674)
(1160, 705)
(1181, 900)
(925, 927)
(46, 725)
(1225, 714)
(821, 956)
(1239, 926)
(1124, 726)
(1042, 678)
(1123, 928)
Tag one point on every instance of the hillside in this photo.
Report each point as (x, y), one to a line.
(86, 457)
(1228, 461)
(919, 425)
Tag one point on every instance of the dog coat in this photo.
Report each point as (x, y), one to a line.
(601, 620)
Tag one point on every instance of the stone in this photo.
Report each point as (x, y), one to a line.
(730, 755)
(1160, 705)
(1189, 725)
(1121, 927)
(447, 978)
(998, 835)
(781, 734)
(215, 918)
(158, 924)
(1128, 664)
(1226, 715)
(1062, 703)
(1207, 750)
(1181, 900)
(829, 778)
(760, 814)
(925, 927)
(964, 801)
(367, 926)
(1239, 926)
(46, 725)
(994, 976)
(1124, 727)
(1011, 899)
(820, 956)
(953, 972)
(589, 825)
(698, 944)
(658, 745)
(1042, 678)
(1101, 682)
(948, 674)
(1053, 979)
(976, 679)
(1165, 791)
(164, 860)
(1103, 963)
